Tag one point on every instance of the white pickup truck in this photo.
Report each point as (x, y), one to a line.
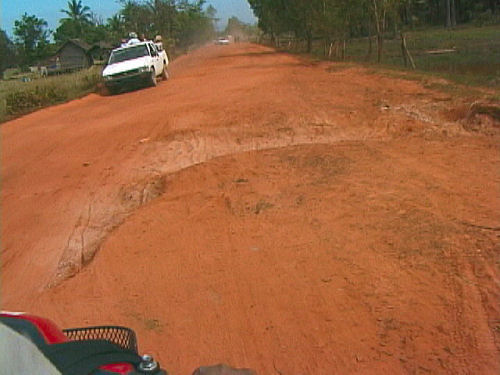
(136, 63)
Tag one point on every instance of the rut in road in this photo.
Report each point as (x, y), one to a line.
(179, 151)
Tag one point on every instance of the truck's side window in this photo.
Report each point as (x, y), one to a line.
(152, 50)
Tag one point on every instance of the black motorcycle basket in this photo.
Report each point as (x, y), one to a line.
(123, 337)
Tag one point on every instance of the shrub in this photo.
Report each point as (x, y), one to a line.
(486, 19)
(27, 100)
(18, 97)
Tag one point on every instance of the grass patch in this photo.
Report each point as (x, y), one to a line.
(476, 61)
(18, 98)
(435, 81)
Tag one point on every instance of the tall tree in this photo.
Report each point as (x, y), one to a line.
(195, 26)
(447, 5)
(453, 13)
(179, 22)
(77, 24)
(7, 52)
(78, 12)
(211, 13)
(381, 10)
(31, 36)
(273, 16)
(164, 16)
(137, 17)
(115, 28)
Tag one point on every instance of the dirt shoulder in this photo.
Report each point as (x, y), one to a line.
(264, 211)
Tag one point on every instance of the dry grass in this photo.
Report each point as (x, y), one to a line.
(18, 98)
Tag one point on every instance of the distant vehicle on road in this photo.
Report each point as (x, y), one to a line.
(135, 63)
(222, 41)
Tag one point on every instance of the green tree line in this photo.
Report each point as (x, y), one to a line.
(339, 20)
(180, 22)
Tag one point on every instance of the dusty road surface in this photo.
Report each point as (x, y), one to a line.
(264, 211)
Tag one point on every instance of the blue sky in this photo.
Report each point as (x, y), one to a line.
(11, 10)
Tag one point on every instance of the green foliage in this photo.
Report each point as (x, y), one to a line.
(137, 16)
(17, 97)
(81, 23)
(195, 26)
(77, 12)
(68, 29)
(89, 32)
(487, 18)
(476, 60)
(7, 52)
(115, 28)
(40, 96)
(272, 15)
(347, 29)
(180, 22)
(356, 18)
(337, 21)
(31, 36)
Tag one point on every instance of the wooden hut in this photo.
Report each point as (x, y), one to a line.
(74, 54)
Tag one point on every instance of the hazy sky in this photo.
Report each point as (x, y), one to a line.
(11, 10)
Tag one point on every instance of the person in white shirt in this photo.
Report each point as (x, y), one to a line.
(133, 39)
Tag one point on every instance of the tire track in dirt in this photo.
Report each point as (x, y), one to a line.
(468, 297)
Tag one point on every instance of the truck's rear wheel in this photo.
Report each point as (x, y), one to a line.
(112, 90)
(152, 78)
(164, 74)
(109, 90)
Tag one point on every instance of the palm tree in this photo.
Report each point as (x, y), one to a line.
(115, 24)
(116, 27)
(77, 12)
(78, 20)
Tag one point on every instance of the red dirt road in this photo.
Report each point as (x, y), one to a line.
(266, 212)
